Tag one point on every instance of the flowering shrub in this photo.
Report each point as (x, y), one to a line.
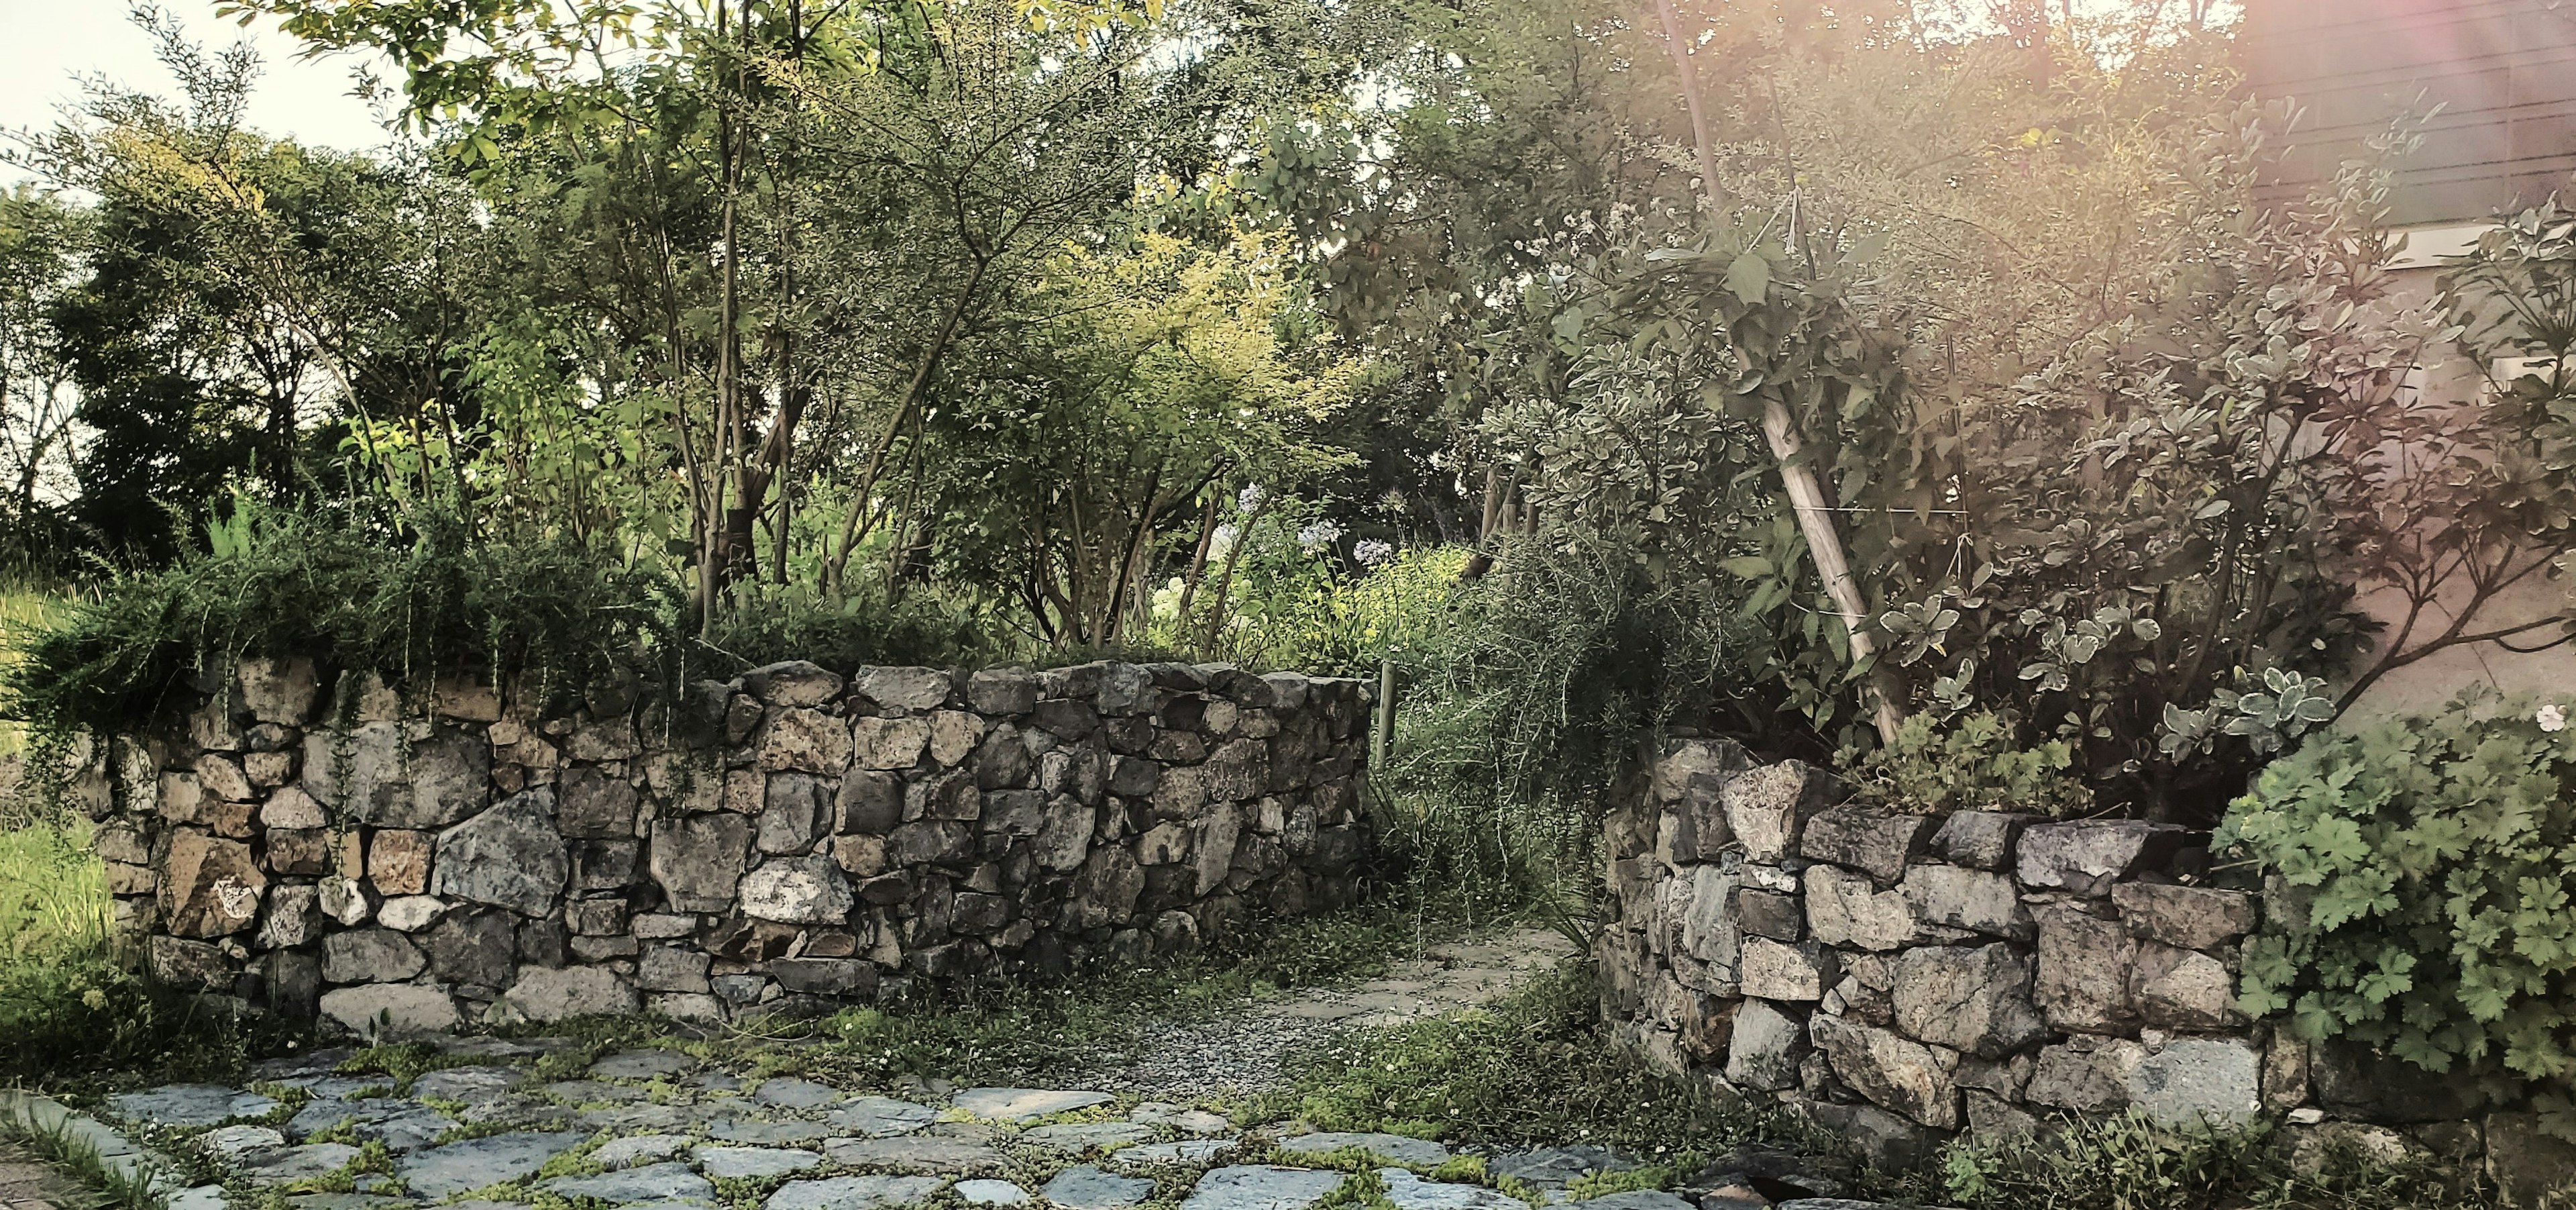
(2423, 870)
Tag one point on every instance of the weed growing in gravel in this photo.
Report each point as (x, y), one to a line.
(2126, 1163)
(1536, 1068)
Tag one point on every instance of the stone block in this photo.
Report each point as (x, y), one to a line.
(797, 890)
(300, 852)
(2182, 989)
(1775, 970)
(222, 777)
(870, 802)
(1770, 914)
(672, 968)
(370, 956)
(2084, 964)
(1767, 808)
(2085, 1074)
(826, 976)
(2087, 857)
(1003, 691)
(793, 813)
(189, 964)
(954, 735)
(509, 856)
(293, 918)
(398, 861)
(811, 741)
(291, 807)
(1975, 900)
(277, 690)
(903, 688)
(595, 804)
(546, 995)
(1975, 1001)
(604, 865)
(1981, 840)
(1896, 1073)
(699, 861)
(2192, 918)
(210, 887)
(595, 917)
(411, 913)
(2191, 1082)
(1767, 1043)
(792, 683)
(368, 775)
(1877, 843)
(1845, 908)
(389, 1010)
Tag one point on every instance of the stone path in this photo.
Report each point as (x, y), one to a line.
(661, 1129)
(1248, 1051)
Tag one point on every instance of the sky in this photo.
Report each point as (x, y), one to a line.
(45, 45)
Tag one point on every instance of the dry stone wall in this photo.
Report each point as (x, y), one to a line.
(1902, 978)
(779, 842)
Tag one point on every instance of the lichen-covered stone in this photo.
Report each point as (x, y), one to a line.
(2087, 857)
(1776, 970)
(2192, 918)
(1976, 1001)
(1962, 898)
(1896, 1073)
(809, 741)
(1875, 842)
(440, 779)
(1767, 808)
(797, 890)
(1765, 1047)
(2084, 963)
(210, 887)
(509, 856)
(699, 861)
(1981, 840)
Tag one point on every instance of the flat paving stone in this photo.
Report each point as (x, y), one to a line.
(641, 1065)
(1084, 1187)
(880, 1117)
(203, 1197)
(410, 1130)
(754, 1162)
(1083, 1136)
(1384, 1146)
(1262, 1187)
(1635, 1199)
(767, 1133)
(1410, 1192)
(641, 1149)
(624, 1118)
(334, 1087)
(296, 1163)
(1185, 1152)
(992, 1193)
(1025, 1104)
(590, 1092)
(1556, 1167)
(443, 1172)
(670, 1181)
(232, 1142)
(795, 1094)
(189, 1104)
(915, 1153)
(468, 1085)
(716, 1081)
(1181, 1118)
(852, 1193)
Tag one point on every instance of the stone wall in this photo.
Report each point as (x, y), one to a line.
(780, 842)
(1901, 978)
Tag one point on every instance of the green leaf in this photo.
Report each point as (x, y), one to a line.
(1749, 278)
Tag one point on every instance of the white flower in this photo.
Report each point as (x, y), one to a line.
(1372, 552)
(1250, 497)
(2551, 718)
(1318, 535)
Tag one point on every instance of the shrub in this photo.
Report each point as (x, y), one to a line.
(2127, 1163)
(1974, 764)
(2422, 869)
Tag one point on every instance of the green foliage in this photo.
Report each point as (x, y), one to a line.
(1536, 1068)
(2422, 903)
(2125, 1163)
(1973, 764)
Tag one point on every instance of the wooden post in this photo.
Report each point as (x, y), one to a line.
(1385, 737)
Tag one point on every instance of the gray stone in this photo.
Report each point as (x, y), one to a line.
(297, 1163)
(1710, 932)
(1395, 1147)
(189, 1105)
(2197, 1081)
(1770, 914)
(443, 1172)
(917, 1153)
(1024, 1104)
(2085, 1074)
(370, 956)
(1767, 808)
(1896, 1073)
(852, 1193)
(650, 1183)
(672, 968)
(467, 1085)
(411, 913)
(509, 856)
(792, 683)
(880, 1117)
(2188, 917)
(475, 947)
(1634, 1199)
(1189, 1152)
(767, 1133)
(797, 890)
(642, 1064)
(699, 860)
(903, 688)
(1874, 842)
(547, 995)
(890, 743)
(1776, 970)
(1766, 1047)
(826, 976)
(1261, 1187)
(1410, 1192)
(754, 1163)
(789, 1093)
(1979, 839)
(1976, 1001)
(640, 1149)
(2182, 989)
(808, 741)
(1884, 1139)
(294, 917)
(1084, 1136)
(1975, 900)
(1083, 1187)
(2529, 1162)
(375, 1010)
(2087, 857)
(445, 778)
(1003, 691)
(2084, 966)
(1553, 1168)
(1847, 909)
(987, 1192)
(233, 1142)
(595, 804)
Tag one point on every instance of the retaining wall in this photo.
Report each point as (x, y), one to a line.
(780, 842)
(1901, 978)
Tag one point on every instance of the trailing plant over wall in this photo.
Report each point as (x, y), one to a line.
(2421, 869)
